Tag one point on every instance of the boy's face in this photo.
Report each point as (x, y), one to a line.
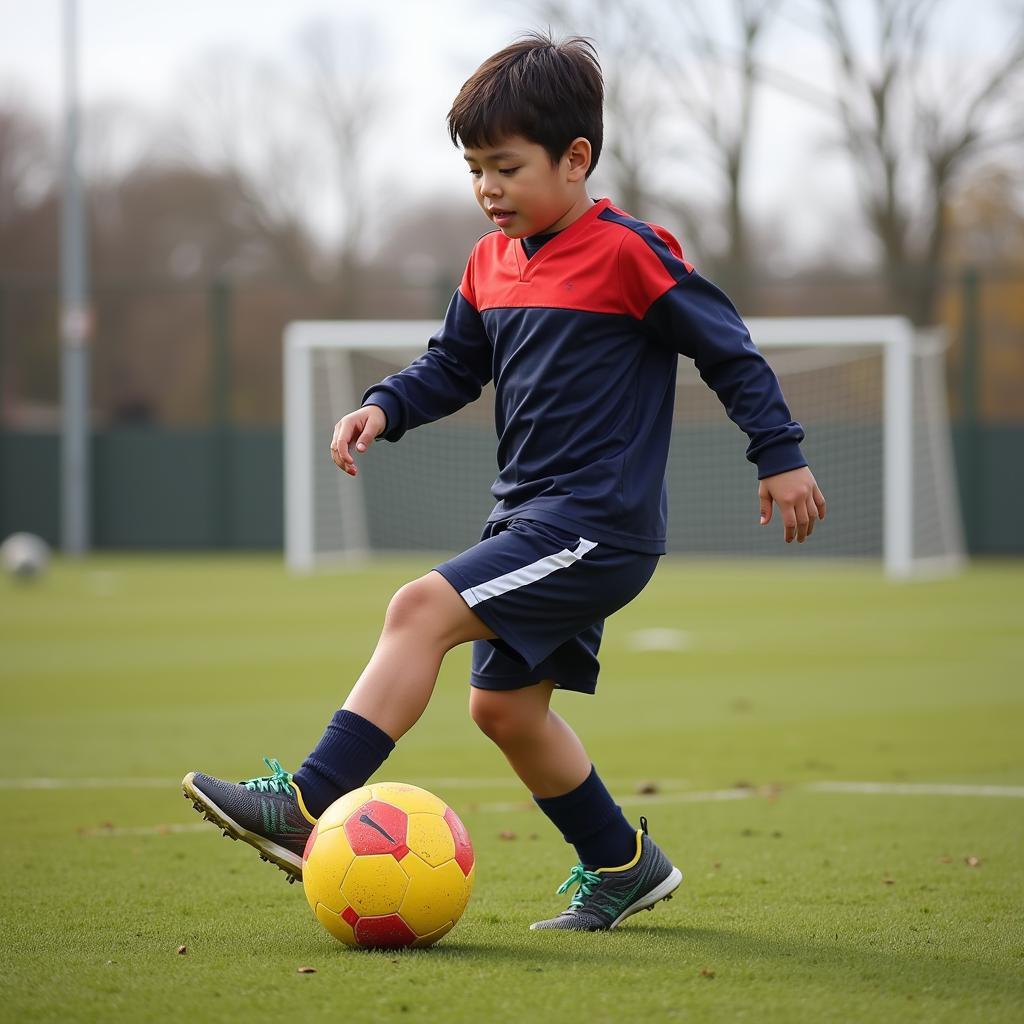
(521, 191)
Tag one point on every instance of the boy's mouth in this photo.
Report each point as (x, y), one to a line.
(499, 216)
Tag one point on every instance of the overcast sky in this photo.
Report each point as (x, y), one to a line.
(138, 51)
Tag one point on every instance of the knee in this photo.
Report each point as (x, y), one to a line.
(410, 605)
(500, 717)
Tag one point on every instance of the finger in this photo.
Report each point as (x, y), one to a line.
(802, 523)
(812, 516)
(365, 438)
(340, 450)
(766, 506)
(819, 501)
(789, 522)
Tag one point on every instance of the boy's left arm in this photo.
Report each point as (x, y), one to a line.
(699, 321)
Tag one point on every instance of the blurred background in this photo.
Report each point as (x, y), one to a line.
(247, 165)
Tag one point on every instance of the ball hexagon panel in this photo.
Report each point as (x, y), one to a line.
(463, 847)
(335, 924)
(377, 827)
(409, 798)
(325, 864)
(336, 814)
(432, 937)
(389, 932)
(375, 885)
(436, 896)
(430, 838)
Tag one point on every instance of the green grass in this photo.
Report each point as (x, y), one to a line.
(798, 903)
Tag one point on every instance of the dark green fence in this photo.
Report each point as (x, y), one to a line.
(162, 488)
(154, 488)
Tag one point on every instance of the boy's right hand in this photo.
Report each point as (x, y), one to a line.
(360, 427)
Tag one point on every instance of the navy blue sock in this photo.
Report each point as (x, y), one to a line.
(591, 821)
(351, 749)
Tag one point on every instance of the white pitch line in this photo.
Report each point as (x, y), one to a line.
(507, 782)
(144, 830)
(710, 796)
(675, 795)
(914, 789)
(129, 783)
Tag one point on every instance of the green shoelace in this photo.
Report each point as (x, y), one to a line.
(280, 781)
(586, 880)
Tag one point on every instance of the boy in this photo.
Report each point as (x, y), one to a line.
(578, 312)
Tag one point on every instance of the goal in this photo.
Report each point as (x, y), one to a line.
(869, 391)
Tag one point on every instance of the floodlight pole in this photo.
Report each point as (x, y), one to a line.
(75, 315)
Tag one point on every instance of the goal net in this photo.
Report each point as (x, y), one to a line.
(869, 391)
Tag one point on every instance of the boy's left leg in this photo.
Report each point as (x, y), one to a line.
(620, 870)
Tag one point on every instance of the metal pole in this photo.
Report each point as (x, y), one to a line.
(971, 468)
(220, 410)
(76, 316)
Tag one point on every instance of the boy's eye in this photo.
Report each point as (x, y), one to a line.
(508, 170)
(475, 172)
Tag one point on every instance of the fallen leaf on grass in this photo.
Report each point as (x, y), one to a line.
(305, 970)
(182, 950)
(946, 860)
(506, 835)
(889, 881)
(972, 862)
(647, 788)
(706, 972)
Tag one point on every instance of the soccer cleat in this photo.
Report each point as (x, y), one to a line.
(267, 812)
(607, 896)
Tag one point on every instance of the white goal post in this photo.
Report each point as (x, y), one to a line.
(870, 392)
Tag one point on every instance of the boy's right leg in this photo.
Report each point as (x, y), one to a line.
(276, 813)
(621, 870)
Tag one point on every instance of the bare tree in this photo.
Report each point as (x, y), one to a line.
(26, 160)
(241, 124)
(913, 141)
(681, 89)
(346, 101)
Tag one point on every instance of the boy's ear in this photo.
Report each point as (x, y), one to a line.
(577, 157)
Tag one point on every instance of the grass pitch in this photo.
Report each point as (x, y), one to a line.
(741, 694)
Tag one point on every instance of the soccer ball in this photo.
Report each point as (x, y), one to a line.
(388, 865)
(25, 555)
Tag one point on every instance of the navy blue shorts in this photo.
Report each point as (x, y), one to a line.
(545, 593)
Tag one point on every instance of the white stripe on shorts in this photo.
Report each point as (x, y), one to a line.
(527, 574)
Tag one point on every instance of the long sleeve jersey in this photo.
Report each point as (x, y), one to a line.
(582, 342)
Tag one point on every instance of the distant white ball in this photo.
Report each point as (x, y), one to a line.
(25, 555)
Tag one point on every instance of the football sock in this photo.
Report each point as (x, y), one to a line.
(351, 749)
(591, 821)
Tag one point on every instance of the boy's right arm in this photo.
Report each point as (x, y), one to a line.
(361, 426)
(449, 375)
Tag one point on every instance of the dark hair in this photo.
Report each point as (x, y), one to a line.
(546, 91)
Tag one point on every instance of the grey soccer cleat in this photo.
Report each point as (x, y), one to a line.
(268, 813)
(607, 896)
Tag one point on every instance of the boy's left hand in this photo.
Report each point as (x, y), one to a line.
(800, 502)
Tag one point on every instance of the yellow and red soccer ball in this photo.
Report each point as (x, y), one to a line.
(388, 865)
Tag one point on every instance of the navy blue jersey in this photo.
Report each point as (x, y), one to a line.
(582, 342)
